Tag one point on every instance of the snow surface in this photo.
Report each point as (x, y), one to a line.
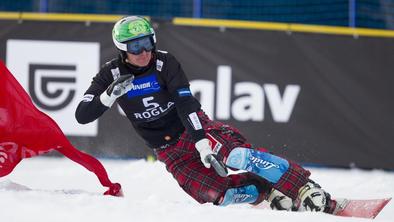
(56, 189)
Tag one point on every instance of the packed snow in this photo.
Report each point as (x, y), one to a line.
(56, 189)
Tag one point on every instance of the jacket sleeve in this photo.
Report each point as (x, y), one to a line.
(186, 104)
(91, 108)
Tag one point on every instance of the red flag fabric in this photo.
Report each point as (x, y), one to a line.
(25, 132)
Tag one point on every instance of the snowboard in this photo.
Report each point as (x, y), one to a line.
(360, 208)
(352, 208)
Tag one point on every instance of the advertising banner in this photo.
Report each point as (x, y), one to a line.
(315, 98)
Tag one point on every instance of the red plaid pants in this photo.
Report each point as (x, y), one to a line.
(182, 160)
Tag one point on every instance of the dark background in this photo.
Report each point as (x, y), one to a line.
(343, 114)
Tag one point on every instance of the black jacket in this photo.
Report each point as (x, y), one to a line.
(160, 106)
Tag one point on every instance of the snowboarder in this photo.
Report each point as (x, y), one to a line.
(152, 89)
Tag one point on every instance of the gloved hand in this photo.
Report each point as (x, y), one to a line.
(118, 87)
(208, 158)
(279, 201)
(204, 148)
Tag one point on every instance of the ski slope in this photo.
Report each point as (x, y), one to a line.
(45, 189)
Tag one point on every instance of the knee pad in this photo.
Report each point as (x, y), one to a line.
(245, 194)
(266, 165)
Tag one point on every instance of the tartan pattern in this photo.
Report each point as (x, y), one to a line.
(182, 160)
(292, 180)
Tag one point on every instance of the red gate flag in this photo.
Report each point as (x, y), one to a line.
(25, 132)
